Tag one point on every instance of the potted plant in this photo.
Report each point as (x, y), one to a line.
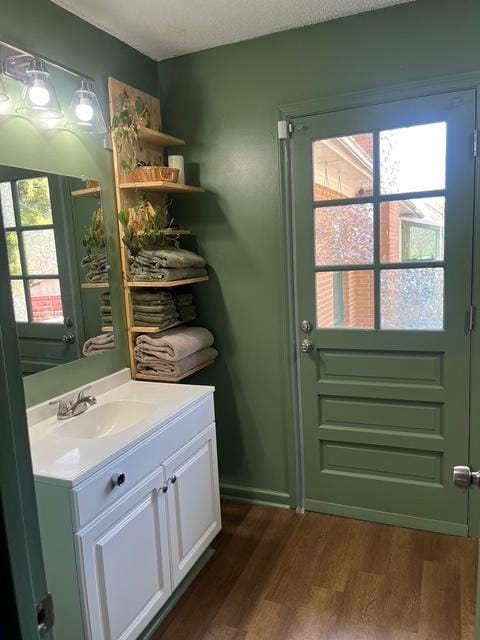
(144, 226)
(95, 262)
(132, 114)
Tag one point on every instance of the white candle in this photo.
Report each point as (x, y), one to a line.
(177, 162)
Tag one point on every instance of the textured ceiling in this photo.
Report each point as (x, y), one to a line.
(167, 28)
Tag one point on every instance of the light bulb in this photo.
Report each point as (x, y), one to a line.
(38, 93)
(84, 110)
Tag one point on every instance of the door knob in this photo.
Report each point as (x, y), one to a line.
(463, 477)
(68, 338)
(306, 346)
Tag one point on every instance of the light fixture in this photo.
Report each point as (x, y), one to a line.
(85, 114)
(39, 98)
(4, 97)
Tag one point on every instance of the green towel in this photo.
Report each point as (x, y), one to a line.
(168, 257)
(166, 275)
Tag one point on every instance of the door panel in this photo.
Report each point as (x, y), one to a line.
(125, 560)
(383, 219)
(193, 502)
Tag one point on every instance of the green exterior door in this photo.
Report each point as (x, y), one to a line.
(383, 223)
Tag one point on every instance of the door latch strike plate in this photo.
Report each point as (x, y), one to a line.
(45, 615)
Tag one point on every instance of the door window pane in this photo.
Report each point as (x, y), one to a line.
(343, 167)
(6, 202)
(19, 302)
(46, 301)
(344, 235)
(345, 299)
(412, 230)
(412, 299)
(40, 252)
(413, 158)
(34, 201)
(14, 264)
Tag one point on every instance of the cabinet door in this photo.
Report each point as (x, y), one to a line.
(125, 563)
(193, 502)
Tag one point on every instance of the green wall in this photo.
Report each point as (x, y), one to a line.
(223, 101)
(44, 28)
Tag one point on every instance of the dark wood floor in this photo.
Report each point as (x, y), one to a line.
(277, 575)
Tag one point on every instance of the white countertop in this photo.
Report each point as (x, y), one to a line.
(68, 460)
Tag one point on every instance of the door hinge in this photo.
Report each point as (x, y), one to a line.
(475, 143)
(45, 615)
(285, 129)
(472, 312)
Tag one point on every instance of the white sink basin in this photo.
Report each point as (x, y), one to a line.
(105, 420)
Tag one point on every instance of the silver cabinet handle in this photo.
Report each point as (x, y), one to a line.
(172, 480)
(464, 477)
(306, 346)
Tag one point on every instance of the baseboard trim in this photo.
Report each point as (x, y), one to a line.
(383, 517)
(176, 595)
(255, 496)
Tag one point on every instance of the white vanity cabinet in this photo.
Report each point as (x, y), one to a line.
(118, 542)
(125, 562)
(193, 502)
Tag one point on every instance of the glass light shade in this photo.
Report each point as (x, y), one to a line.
(4, 97)
(39, 98)
(85, 114)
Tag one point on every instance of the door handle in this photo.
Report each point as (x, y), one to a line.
(464, 477)
(307, 346)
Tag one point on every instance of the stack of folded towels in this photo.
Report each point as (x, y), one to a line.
(167, 263)
(174, 352)
(98, 344)
(106, 308)
(162, 309)
(154, 308)
(185, 306)
(96, 267)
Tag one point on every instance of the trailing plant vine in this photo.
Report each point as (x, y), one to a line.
(144, 225)
(131, 115)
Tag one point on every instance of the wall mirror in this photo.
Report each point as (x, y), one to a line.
(58, 267)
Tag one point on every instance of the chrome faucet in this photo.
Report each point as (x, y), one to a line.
(71, 408)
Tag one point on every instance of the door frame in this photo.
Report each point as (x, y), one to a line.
(287, 268)
(18, 507)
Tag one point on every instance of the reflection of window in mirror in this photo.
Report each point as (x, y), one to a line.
(53, 227)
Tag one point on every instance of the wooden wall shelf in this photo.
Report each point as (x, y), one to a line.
(150, 150)
(95, 285)
(93, 192)
(146, 377)
(159, 138)
(161, 185)
(162, 284)
(136, 329)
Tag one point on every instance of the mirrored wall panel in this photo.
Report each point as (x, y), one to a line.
(58, 267)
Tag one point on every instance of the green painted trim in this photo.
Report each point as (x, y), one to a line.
(396, 519)
(176, 595)
(255, 495)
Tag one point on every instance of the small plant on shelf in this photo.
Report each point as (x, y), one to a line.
(94, 238)
(144, 225)
(95, 262)
(131, 115)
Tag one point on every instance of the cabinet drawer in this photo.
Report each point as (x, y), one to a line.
(96, 494)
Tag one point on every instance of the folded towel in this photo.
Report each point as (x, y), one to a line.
(155, 308)
(187, 313)
(98, 344)
(137, 273)
(154, 296)
(169, 257)
(174, 344)
(179, 367)
(106, 318)
(161, 322)
(96, 267)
